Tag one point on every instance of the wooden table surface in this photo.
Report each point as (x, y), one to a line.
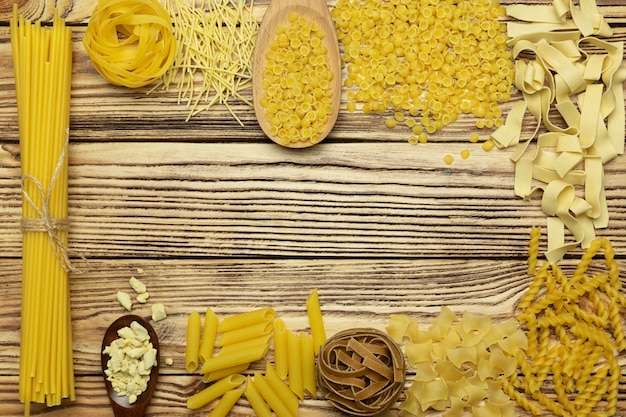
(218, 215)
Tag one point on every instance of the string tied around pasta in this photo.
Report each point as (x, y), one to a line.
(45, 222)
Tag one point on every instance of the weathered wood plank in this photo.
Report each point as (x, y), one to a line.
(219, 216)
(194, 199)
(370, 291)
(353, 293)
(91, 400)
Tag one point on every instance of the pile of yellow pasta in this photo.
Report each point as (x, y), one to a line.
(459, 363)
(575, 331)
(243, 339)
(42, 61)
(425, 62)
(297, 82)
(565, 64)
(130, 42)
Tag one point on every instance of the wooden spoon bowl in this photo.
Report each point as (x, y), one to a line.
(120, 404)
(277, 14)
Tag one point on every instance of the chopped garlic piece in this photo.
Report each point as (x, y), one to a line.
(158, 312)
(124, 300)
(143, 297)
(137, 285)
(132, 357)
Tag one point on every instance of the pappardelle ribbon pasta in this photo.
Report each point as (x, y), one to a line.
(563, 64)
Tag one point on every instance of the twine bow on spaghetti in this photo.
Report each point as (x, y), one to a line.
(45, 221)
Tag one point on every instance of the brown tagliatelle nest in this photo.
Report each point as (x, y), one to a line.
(361, 371)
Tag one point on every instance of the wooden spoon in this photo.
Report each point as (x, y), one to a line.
(120, 404)
(277, 14)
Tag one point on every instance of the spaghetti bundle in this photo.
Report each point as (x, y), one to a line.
(42, 60)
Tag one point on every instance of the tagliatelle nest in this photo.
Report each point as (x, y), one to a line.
(130, 42)
(361, 371)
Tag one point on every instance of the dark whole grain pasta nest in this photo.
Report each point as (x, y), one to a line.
(361, 371)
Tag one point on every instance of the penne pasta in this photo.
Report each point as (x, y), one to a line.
(226, 403)
(209, 334)
(246, 345)
(192, 346)
(238, 354)
(295, 364)
(260, 407)
(279, 386)
(214, 391)
(309, 382)
(316, 321)
(246, 319)
(241, 334)
(280, 348)
(271, 397)
(222, 373)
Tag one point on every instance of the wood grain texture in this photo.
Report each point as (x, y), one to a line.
(217, 215)
(370, 290)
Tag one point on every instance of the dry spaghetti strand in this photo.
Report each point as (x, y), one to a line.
(213, 63)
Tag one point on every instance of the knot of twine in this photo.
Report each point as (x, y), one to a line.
(45, 222)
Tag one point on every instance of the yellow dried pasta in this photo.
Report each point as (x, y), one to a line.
(427, 63)
(130, 43)
(297, 82)
(459, 366)
(580, 75)
(361, 371)
(244, 338)
(572, 341)
(213, 61)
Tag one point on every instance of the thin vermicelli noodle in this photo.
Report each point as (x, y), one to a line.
(42, 61)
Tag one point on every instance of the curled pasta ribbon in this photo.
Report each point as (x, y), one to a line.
(581, 76)
(361, 371)
(130, 42)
